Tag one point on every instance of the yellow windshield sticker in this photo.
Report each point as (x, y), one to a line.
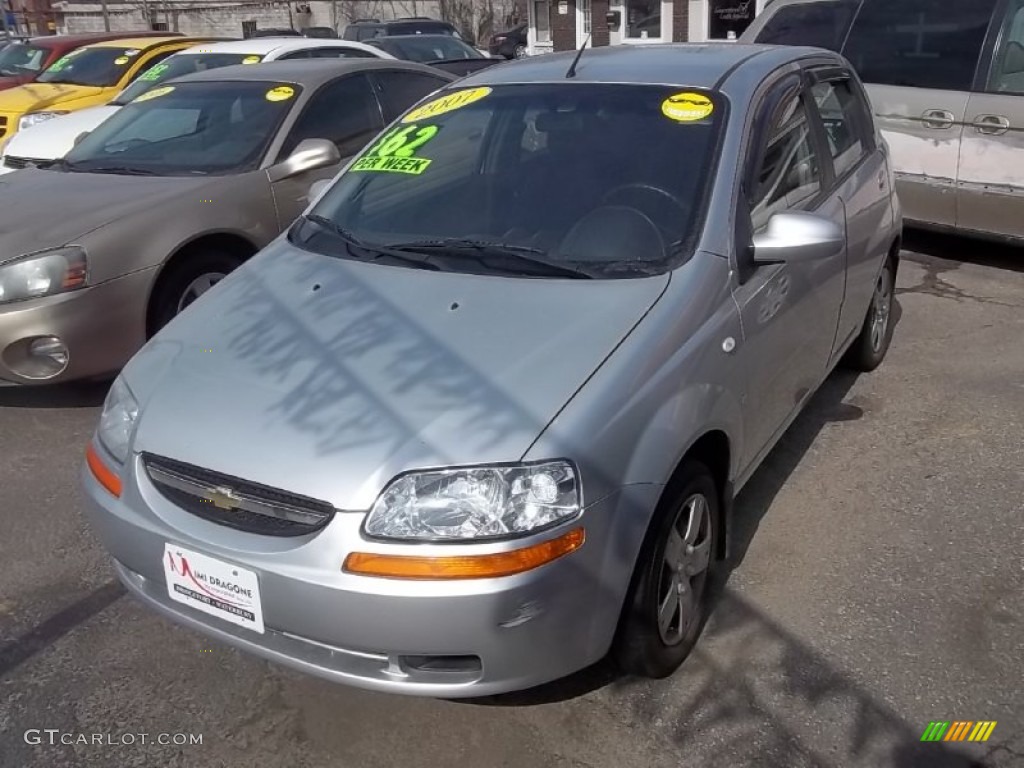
(121, 60)
(281, 93)
(447, 103)
(395, 152)
(687, 107)
(155, 93)
(251, 60)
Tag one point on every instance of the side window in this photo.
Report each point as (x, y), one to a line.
(842, 114)
(823, 24)
(789, 174)
(339, 53)
(1007, 74)
(344, 111)
(400, 90)
(304, 54)
(919, 43)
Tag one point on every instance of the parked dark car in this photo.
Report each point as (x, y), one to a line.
(275, 33)
(511, 44)
(22, 62)
(439, 51)
(368, 29)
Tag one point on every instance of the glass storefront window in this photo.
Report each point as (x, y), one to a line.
(643, 19)
(542, 20)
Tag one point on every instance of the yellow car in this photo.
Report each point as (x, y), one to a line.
(85, 77)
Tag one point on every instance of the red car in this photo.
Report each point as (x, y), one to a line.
(22, 62)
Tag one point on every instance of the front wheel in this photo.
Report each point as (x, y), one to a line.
(868, 351)
(668, 601)
(185, 281)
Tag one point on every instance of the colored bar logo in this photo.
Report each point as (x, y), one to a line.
(958, 730)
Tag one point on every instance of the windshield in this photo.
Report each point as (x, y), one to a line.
(99, 67)
(181, 64)
(610, 179)
(19, 59)
(427, 49)
(188, 129)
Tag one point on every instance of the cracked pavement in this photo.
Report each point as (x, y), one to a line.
(878, 584)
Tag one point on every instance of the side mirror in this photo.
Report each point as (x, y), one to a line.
(309, 155)
(79, 138)
(317, 188)
(796, 237)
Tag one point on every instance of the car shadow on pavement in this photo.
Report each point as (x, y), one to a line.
(962, 249)
(82, 394)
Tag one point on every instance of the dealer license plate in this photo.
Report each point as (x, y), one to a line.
(212, 586)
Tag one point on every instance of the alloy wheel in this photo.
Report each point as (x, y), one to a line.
(881, 308)
(684, 570)
(198, 287)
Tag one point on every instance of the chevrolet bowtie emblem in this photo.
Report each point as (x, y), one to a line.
(222, 498)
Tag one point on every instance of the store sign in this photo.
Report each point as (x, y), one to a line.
(563, 7)
(730, 16)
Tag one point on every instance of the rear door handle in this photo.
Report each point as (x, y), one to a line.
(938, 118)
(991, 125)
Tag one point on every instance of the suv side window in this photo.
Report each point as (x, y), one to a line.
(789, 174)
(400, 90)
(919, 43)
(821, 24)
(842, 114)
(1007, 74)
(344, 111)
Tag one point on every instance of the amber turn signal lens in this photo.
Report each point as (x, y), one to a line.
(103, 474)
(464, 566)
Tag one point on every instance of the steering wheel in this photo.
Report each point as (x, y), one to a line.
(610, 196)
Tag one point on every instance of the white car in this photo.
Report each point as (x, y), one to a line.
(46, 142)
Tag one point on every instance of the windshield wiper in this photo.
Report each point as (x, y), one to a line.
(516, 254)
(118, 169)
(353, 243)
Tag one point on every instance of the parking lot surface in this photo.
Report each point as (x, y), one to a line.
(877, 585)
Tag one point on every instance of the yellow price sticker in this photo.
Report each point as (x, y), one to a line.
(154, 94)
(281, 93)
(447, 103)
(687, 107)
(251, 60)
(122, 60)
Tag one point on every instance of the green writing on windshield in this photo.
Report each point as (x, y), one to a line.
(411, 165)
(154, 72)
(396, 151)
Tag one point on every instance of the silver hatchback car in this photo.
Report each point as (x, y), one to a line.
(477, 418)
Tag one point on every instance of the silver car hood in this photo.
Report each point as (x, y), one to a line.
(48, 209)
(328, 377)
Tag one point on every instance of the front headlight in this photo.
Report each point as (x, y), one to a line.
(120, 410)
(474, 503)
(43, 274)
(35, 118)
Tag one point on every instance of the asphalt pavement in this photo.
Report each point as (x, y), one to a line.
(877, 585)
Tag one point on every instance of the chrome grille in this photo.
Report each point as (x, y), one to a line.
(234, 502)
(17, 163)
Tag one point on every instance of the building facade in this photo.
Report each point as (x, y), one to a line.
(561, 25)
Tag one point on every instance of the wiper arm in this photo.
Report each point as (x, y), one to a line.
(518, 253)
(122, 170)
(353, 243)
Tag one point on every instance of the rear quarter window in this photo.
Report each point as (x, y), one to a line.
(819, 24)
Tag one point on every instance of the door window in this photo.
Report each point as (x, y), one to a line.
(842, 113)
(643, 19)
(823, 25)
(344, 111)
(789, 175)
(1008, 65)
(400, 90)
(340, 53)
(919, 43)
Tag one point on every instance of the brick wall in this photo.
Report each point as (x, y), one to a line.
(563, 27)
(680, 21)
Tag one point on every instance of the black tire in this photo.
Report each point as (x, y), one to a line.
(868, 351)
(640, 646)
(169, 296)
(519, 52)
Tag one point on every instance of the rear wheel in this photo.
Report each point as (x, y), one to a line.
(519, 52)
(668, 602)
(868, 351)
(186, 280)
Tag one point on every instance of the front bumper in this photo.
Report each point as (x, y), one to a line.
(446, 639)
(102, 326)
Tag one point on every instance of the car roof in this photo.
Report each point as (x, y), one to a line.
(54, 41)
(145, 42)
(307, 72)
(699, 65)
(264, 46)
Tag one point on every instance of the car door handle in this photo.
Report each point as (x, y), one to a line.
(991, 125)
(938, 118)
